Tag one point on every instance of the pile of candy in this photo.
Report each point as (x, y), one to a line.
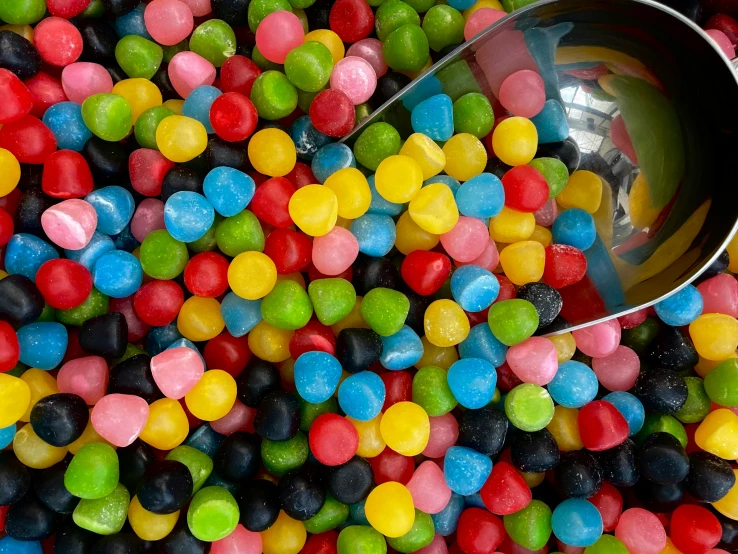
(208, 346)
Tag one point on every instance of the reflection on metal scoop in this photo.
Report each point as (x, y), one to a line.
(650, 105)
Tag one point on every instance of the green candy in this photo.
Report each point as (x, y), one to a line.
(214, 40)
(529, 407)
(331, 515)
(146, 124)
(640, 338)
(421, 6)
(419, 536)
(95, 304)
(287, 306)
(607, 544)
(304, 99)
(209, 240)
(47, 314)
(22, 12)
(240, 233)
(656, 423)
(309, 66)
(108, 116)
(531, 526)
(406, 48)
(199, 464)
(301, 4)
(512, 5)
(333, 299)
(309, 412)
(95, 9)
(362, 111)
(513, 321)
(106, 515)
(385, 310)
(171, 51)
(162, 256)
(361, 539)
(131, 351)
(93, 472)
(392, 15)
(213, 514)
(18, 370)
(697, 406)
(376, 142)
(138, 57)
(444, 26)
(259, 9)
(473, 114)
(262, 63)
(721, 384)
(555, 172)
(273, 95)
(279, 457)
(431, 391)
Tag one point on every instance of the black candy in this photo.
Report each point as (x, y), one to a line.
(301, 493)
(98, 39)
(133, 461)
(578, 474)
(21, 302)
(351, 482)
(387, 86)
(370, 273)
(567, 151)
(416, 315)
(34, 202)
(239, 457)
(729, 538)
(534, 452)
(71, 539)
(258, 503)
(60, 418)
(484, 430)
(18, 55)
(717, 267)
(14, 479)
(318, 15)
(358, 349)
(133, 376)
(122, 543)
(120, 7)
(29, 519)
(233, 12)
(710, 478)
(662, 460)
(108, 161)
(49, 488)
(671, 350)
(221, 153)
(659, 498)
(546, 300)
(180, 179)
(277, 417)
(105, 335)
(661, 390)
(619, 465)
(166, 487)
(182, 541)
(164, 84)
(258, 379)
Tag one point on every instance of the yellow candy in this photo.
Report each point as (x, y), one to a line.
(26, 31)
(167, 426)
(174, 105)
(493, 4)
(371, 442)
(389, 509)
(515, 141)
(199, 319)
(465, 156)
(398, 179)
(272, 152)
(88, 436)
(181, 138)
(15, 397)
(3, 274)
(565, 428)
(715, 336)
(314, 209)
(252, 275)
(523, 261)
(330, 40)
(353, 320)
(642, 212)
(533, 479)
(148, 525)
(718, 434)
(434, 209)
(670, 548)
(565, 346)
(286, 536)
(269, 343)
(352, 192)
(728, 504)
(296, 277)
(405, 428)
(583, 190)
(439, 356)
(704, 366)
(410, 236)
(445, 323)
(542, 235)
(41, 384)
(426, 152)
(9, 172)
(34, 452)
(141, 94)
(213, 396)
(511, 226)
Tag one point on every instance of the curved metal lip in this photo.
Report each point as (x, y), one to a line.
(515, 14)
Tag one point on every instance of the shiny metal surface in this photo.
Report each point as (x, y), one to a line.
(678, 97)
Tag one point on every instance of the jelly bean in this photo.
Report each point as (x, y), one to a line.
(93, 472)
(389, 509)
(332, 112)
(514, 141)
(166, 426)
(213, 514)
(188, 70)
(577, 522)
(531, 526)
(445, 323)
(522, 93)
(529, 407)
(640, 531)
(481, 196)
(601, 426)
(180, 138)
(398, 178)
(16, 397)
(405, 428)
(65, 121)
(29, 141)
(513, 321)
(630, 407)
(511, 226)
(533, 361)
(168, 21)
(431, 392)
(106, 515)
(574, 385)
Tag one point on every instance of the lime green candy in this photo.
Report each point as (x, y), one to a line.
(473, 114)
(531, 526)
(199, 464)
(376, 142)
(385, 310)
(95, 304)
(138, 57)
(22, 12)
(106, 515)
(304, 99)
(131, 351)
(331, 515)
(361, 539)
(554, 171)
(697, 406)
(421, 6)
(362, 111)
(406, 48)
(209, 240)
(431, 391)
(721, 384)
(93, 472)
(240, 233)
(392, 15)
(108, 116)
(656, 423)
(273, 95)
(513, 321)
(512, 5)
(309, 66)
(259, 9)
(287, 306)
(95, 9)
(529, 407)
(146, 124)
(47, 314)
(301, 4)
(419, 536)
(607, 544)
(309, 412)
(333, 299)
(162, 256)
(444, 26)
(213, 514)
(262, 63)
(214, 40)
(279, 457)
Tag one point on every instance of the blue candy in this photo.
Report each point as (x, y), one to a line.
(472, 382)
(379, 205)
(447, 519)
(361, 396)
(228, 190)
(462, 4)
(316, 376)
(465, 470)
(474, 501)
(240, 315)
(114, 207)
(481, 196)
(25, 253)
(206, 440)
(551, 123)
(125, 240)
(117, 274)
(42, 344)
(576, 522)
(160, 338)
(421, 90)
(401, 350)
(188, 215)
(330, 158)
(681, 308)
(481, 343)
(132, 23)
(474, 288)
(87, 256)
(197, 105)
(574, 385)
(308, 140)
(6, 435)
(357, 513)
(9, 545)
(447, 180)
(630, 407)
(375, 234)
(65, 121)
(576, 228)
(434, 117)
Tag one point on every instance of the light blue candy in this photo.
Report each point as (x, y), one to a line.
(574, 227)
(375, 234)
(361, 395)
(462, 4)
(401, 350)
(228, 190)
(65, 121)
(574, 385)
(188, 215)
(447, 180)
(330, 158)
(160, 338)
(357, 513)
(472, 382)
(308, 140)
(240, 315)
(197, 105)
(421, 90)
(465, 470)
(25, 253)
(132, 23)
(379, 205)
(474, 288)
(577, 522)
(447, 519)
(6, 435)
(114, 207)
(551, 123)
(630, 407)
(434, 117)
(42, 344)
(681, 308)
(481, 343)
(474, 501)
(87, 256)
(9, 545)
(316, 376)
(481, 196)
(117, 274)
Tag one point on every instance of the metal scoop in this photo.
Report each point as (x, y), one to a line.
(670, 193)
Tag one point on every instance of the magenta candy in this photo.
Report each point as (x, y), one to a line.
(277, 34)
(334, 252)
(480, 20)
(641, 531)
(149, 216)
(239, 418)
(199, 8)
(546, 215)
(120, 418)
(720, 295)
(534, 360)
(619, 370)
(467, 240)
(82, 79)
(137, 327)
(188, 70)
(86, 377)
(176, 371)
(523, 93)
(437, 546)
(240, 541)
(488, 259)
(70, 224)
(598, 340)
(355, 77)
(428, 488)
(370, 49)
(444, 432)
(723, 42)
(147, 169)
(168, 21)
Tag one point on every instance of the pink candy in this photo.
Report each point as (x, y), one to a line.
(176, 371)
(428, 488)
(120, 418)
(355, 77)
(546, 215)
(168, 21)
(598, 340)
(149, 216)
(199, 8)
(444, 432)
(523, 93)
(277, 34)
(86, 377)
(641, 532)
(437, 546)
(720, 295)
(534, 360)
(240, 541)
(619, 370)
(370, 49)
(334, 252)
(488, 259)
(137, 327)
(723, 42)
(188, 70)
(70, 224)
(480, 20)
(240, 418)
(82, 79)
(467, 240)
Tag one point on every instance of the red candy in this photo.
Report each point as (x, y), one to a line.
(9, 347)
(694, 529)
(332, 112)
(633, 320)
(45, 91)
(137, 327)
(609, 502)
(6, 227)
(322, 543)
(726, 24)
(64, 284)
(58, 41)
(147, 169)
(238, 74)
(17, 100)
(505, 491)
(158, 302)
(301, 175)
(289, 250)
(66, 8)
(228, 353)
(271, 200)
(314, 336)
(233, 116)
(425, 271)
(479, 532)
(206, 274)
(28, 139)
(66, 175)
(526, 190)
(391, 466)
(398, 387)
(565, 265)
(601, 426)
(352, 20)
(333, 439)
